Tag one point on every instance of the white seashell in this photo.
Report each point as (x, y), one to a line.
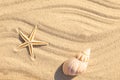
(77, 65)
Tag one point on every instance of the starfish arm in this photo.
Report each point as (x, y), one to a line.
(24, 37)
(31, 37)
(41, 43)
(23, 45)
(30, 47)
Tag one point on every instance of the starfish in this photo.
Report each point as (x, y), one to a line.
(30, 42)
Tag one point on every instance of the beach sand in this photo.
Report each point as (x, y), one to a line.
(69, 26)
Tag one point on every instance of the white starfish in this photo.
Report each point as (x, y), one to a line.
(29, 42)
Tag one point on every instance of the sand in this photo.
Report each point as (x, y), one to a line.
(69, 26)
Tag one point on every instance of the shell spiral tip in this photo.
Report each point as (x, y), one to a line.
(87, 51)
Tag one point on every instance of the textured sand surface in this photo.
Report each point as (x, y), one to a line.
(69, 26)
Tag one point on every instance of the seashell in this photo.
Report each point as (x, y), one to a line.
(78, 64)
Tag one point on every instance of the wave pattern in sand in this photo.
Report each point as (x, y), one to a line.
(69, 27)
